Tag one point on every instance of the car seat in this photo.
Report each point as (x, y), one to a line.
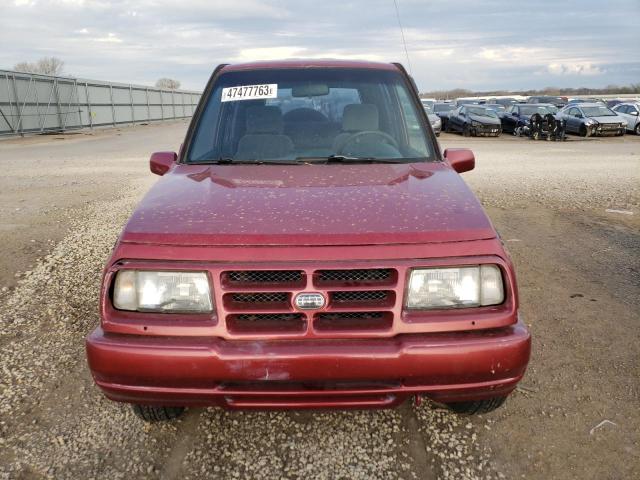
(264, 139)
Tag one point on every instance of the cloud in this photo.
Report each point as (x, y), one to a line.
(477, 45)
(109, 38)
(575, 68)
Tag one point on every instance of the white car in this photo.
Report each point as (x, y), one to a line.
(630, 111)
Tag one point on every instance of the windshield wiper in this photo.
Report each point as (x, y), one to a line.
(347, 159)
(229, 161)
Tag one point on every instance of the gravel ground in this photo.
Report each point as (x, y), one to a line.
(550, 207)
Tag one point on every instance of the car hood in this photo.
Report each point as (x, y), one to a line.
(308, 205)
(608, 119)
(485, 120)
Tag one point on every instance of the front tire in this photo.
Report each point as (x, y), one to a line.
(477, 407)
(583, 131)
(150, 413)
(466, 130)
(637, 129)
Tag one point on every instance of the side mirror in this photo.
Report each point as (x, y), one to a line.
(161, 162)
(578, 115)
(462, 114)
(460, 159)
(515, 114)
(634, 113)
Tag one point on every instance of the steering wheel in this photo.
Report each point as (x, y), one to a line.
(366, 133)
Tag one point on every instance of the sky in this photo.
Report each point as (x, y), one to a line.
(478, 45)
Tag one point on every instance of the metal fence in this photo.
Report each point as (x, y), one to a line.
(32, 103)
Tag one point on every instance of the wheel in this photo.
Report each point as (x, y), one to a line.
(637, 129)
(477, 406)
(466, 130)
(447, 127)
(583, 131)
(150, 413)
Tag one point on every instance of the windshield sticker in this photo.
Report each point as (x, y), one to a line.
(249, 92)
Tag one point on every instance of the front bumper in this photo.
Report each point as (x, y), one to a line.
(603, 130)
(486, 130)
(360, 373)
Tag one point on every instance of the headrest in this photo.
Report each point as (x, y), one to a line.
(263, 119)
(360, 117)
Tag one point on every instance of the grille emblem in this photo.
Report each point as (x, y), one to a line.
(309, 301)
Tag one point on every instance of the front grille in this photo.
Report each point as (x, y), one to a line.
(259, 302)
(354, 277)
(252, 298)
(340, 321)
(263, 277)
(359, 296)
(266, 323)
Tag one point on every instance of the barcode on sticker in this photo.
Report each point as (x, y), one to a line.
(249, 92)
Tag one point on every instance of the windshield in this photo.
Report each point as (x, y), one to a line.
(443, 107)
(310, 114)
(542, 110)
(482, 112)
(598, 112)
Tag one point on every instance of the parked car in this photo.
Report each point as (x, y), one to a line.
(281, 262)
(436, 123)
(612, 103)
(428, 102)
(557, 101)
(589, 119)
(573, 101)
(434, 120)
(630, 112)
(506, 102)
(476, 120)
(518, 116)
(496, 107)
(467, 101)
(443, 110)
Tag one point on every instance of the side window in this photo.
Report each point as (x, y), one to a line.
(416, 138)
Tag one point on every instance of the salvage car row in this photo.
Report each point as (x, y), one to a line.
(534, 118)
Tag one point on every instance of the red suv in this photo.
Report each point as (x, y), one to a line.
(309, 247)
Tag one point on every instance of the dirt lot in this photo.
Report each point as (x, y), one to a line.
(63, 200)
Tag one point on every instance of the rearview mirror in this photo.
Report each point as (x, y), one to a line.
(310, 90)
(460, 159)
(161, 162)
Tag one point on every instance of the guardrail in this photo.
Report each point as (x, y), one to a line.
(31, 103)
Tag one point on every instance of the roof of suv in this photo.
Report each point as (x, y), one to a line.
(327, 63)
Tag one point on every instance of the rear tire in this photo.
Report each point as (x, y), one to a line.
(150, 413)
(477, 407)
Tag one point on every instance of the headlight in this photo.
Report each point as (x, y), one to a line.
(455, 287)
(162, 291)
(435, 123)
